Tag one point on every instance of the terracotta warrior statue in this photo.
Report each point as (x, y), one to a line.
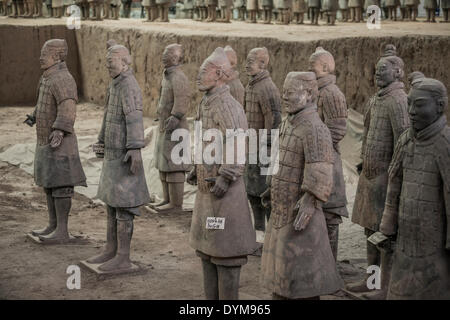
(212, 13)
(330, 8)
(445, 6)
(343, 6)
(37, 12)
(57, 166)
(151, 9)
(417, 209)
(263, 110)
(163, 10)
(28, 8)
(355, 7)
(430, 6)
(172, 108)
(96, 7)
(84, 7)
(392, 6)
(332, 109)
(385, 119)
(314, 11)
(122, 185)
(225, 10)
(267, 7)
(284, 11)
(224, 243)
(299, 9)
(236, 88)
(297, 262)
(240, 6)
(252, 10)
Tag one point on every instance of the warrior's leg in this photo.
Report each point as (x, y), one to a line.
(121, 260)
(176, 191)
(316, 16)
(51, 215)
(228, 280)
(258, 213)
(105, 10)
(63, 202)
(210, 278)
(165, 189)
(110, 248)
(433, 15)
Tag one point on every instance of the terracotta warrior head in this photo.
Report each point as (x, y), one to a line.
(110, 43)
(214, 71)
(415, 76)
(321, 63)
(427, 101)
(300, 91)
(232, 57)
(389, 68)
(257, 60)
(118, 60)
(53, 51)
(173, 55)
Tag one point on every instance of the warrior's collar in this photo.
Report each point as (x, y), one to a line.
(294, 117)
(430, 131)
(214, 93)
(122, 76)
(326, 80)
(258, 77)
(396, 85)
(169, 70)
(56, 67)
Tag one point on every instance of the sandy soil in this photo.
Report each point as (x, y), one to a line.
(32, 271)
(241, 29)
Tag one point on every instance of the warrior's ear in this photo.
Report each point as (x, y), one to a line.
(219, 73)
(441, 102)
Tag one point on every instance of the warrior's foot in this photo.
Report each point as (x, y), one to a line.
(376, 295)
(43, 232)
(119, 262)
(168, 207)
(55, 236)
(360, 286)
(102, 257)
(159, 204)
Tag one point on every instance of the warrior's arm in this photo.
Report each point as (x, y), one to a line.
(366, 124)
(335, 114)
(389, 220)
(270, 103)
(399, 117)
(132, 108)
(444, 168)
(64, 90)
(181, 94)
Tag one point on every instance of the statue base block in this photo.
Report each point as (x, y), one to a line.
(93, 267)
(73, 240)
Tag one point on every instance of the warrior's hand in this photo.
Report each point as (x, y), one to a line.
(56, 137)
(306, 208)
(265, 198)
(171, 123)
(220, 187)
(192, 177)
(136, 159)
(359, 168)
(30, 120)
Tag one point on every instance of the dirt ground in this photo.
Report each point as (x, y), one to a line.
(160, 242)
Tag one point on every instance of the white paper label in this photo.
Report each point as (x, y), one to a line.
(215, 223)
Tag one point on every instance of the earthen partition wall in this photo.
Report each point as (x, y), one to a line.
(355, 59)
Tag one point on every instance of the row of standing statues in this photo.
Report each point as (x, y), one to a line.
(403, 193)
(284, 11)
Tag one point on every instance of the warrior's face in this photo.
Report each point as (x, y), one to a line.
(170, 57)
(115, 64)
(48, 58)
(208, 77)
(385, 73)
(318, 67)
(295, 96)
(423, 108)
(252, 65)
